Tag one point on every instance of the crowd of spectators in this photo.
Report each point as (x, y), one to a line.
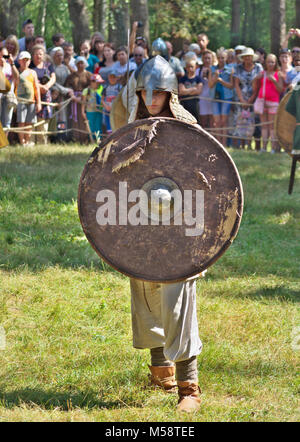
(234, 93)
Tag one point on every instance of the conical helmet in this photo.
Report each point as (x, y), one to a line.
(159, 47)
(156, 74)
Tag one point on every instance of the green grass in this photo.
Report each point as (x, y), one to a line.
(66, 314)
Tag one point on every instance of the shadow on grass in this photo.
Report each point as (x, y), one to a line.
(50, 399)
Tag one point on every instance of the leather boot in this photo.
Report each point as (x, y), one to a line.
(189, 396)
(163, 377)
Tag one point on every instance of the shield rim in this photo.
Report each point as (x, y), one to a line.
(226, 244)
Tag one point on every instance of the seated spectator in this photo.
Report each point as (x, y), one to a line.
(29, 91)
(28, 30)
(220, 81)
(92, 60)
(46, 77)
(91, 97)
(11, 74)
(174, 61)
(78, 81)
(189, 88)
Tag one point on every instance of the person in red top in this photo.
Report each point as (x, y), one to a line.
(270, 85)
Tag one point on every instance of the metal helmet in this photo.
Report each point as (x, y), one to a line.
(156, 75)
(159, 47)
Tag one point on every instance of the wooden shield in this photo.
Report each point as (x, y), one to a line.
(160, 155)
(285, 125)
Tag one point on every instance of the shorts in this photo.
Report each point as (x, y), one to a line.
(270, 107)
(26, 113)
(221, 108)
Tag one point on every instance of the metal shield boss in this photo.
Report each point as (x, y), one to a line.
(160, 200)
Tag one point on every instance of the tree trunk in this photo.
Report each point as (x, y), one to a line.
(100, 16)
(297, 7)
(139, 12)
(235, 22)
(79, 17)
(278, 26)
(119, 23)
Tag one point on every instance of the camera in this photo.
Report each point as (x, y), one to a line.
(140, 24)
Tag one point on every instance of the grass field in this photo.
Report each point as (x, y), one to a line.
(65, 315)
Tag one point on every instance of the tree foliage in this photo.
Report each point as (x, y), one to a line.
(172, 19)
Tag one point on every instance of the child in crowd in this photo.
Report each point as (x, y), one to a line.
(28, 89)
(110, 92)
(190, 87)
(91, 112)
(270, 85)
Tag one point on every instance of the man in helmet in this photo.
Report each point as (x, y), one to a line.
(164, 317)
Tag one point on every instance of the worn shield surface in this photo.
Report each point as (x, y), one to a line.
(285, 125)
(161, 154)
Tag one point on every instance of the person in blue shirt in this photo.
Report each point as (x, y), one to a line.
(92, 60)
(220, 82)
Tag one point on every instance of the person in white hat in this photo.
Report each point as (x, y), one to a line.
(244, 75)
(29, 92)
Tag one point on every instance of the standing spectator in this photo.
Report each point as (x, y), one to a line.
(8, 100)
(295, 50)
(231, 60)
(12, 45)
(91, 97)
(69, 59)
(98, 48)
(28, 89)
(92, 60)
(205, 104)
(139, 56)
(108, 56)
(190, 87)
(203, 42)
(184, 50)
(174, 61)
(78, 81)
(293, 76)
(28, 30)
(59, 91)
(46, 77)
(243, 82)
(39, 40)
(109, 94)
(57, 40)
(194, 47)
(122, 63)
(270, 86)
(261, 56)
(285, 60)
(220, 81)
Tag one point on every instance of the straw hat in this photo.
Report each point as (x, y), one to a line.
(248, 51)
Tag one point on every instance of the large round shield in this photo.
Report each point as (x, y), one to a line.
(160, 200)
(285, 125)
